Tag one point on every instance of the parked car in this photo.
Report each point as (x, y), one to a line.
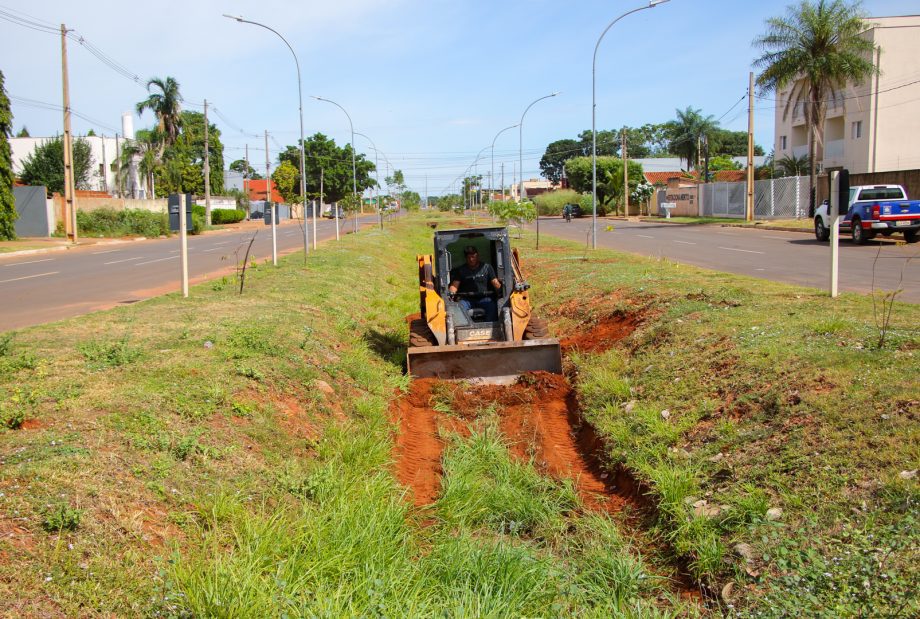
(575, 210)
(873, 209)
(330, 214)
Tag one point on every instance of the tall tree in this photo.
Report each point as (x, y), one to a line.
(793, 166)
(687, 132)
(610, 178)
(322, 154)
(817, 48)
(45, 166)
(7, 201)
(286, 179)
(166, 106)
(608, 143)
(23, 133)
(552, 164)
(240, 166)
(731, 143)
(144, 150)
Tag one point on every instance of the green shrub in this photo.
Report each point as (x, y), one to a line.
(100, 355)
(552, 203)
(587, 208)
(129, 222)
(199, 210)
(61, 517)
(197, 223)
(227, 216)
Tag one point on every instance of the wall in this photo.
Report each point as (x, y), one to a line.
(909, 179)
(685, 196)
(35, 218)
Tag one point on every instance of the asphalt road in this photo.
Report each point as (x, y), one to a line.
(43, 287)
(791, 257)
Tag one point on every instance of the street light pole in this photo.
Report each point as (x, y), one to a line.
(354, 174)
(376, 173)
(521, 157)
(651, 4)
(303, 176)
(491, 182)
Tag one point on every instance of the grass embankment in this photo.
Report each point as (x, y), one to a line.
(232, 456)
(779, 442)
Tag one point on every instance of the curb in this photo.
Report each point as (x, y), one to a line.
(755, 226)
(45, 250)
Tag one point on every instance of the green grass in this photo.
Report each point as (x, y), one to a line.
(176, 457)
(779, 399)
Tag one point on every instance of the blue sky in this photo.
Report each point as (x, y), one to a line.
(431, 82)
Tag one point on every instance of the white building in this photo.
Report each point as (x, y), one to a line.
(105, 152)
(873, 127)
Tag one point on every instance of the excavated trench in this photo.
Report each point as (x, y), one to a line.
(540, 417)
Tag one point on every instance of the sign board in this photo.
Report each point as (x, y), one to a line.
(173, 203)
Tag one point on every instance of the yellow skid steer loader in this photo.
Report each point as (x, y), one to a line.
(454, 337)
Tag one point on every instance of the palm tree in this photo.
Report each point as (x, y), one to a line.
(794, 166)
(145, 150)
(687, 132)
(817, 48)
(165, 104)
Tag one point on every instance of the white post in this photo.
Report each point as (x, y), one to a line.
(183, 244)
(315, 206)
(268, 203)
(833, 209)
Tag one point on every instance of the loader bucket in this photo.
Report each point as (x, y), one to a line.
(492, 362)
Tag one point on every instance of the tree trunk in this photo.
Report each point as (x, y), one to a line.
(813, 172)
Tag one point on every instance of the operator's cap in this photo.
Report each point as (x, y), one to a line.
(469, 249)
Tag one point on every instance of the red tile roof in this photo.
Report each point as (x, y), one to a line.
(257, 191)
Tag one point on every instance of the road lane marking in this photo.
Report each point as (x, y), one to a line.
(204, 251)
(16, 279)
(224, 242)
(125, 260)
(16, 264)
(685, 242)
(108, 251)
(645, 236)
(747, 251)
(157, 260)
(174, 251)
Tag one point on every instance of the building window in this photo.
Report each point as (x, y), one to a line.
(782, 142)
(856, 129)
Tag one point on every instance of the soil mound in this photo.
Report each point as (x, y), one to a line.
(603, 334)
(418, 448)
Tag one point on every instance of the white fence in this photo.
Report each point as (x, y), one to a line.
(778, 198)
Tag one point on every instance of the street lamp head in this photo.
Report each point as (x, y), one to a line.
(656, 2)
(238, 18)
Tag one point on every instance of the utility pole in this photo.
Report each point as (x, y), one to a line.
(749, 212)
(426, 191)
(268, 202)
(503, 182)
(207, 169)
(118, 169)
(625, 177)
(246, 178)
(70, 205)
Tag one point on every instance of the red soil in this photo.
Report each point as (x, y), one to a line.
(418, 448)
(603, 335)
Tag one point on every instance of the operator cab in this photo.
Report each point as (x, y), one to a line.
(493, 248)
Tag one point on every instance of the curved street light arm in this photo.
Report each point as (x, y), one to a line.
(651, 4)
(303, 176)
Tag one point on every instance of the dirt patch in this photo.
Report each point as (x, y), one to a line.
(32, 424)
(538, 415)
(604, 334)
(418, 448)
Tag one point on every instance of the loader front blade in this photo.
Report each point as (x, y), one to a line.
(491, 362)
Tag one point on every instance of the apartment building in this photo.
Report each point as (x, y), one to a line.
(872, 127)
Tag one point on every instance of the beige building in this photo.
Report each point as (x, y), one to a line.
(873, 127)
